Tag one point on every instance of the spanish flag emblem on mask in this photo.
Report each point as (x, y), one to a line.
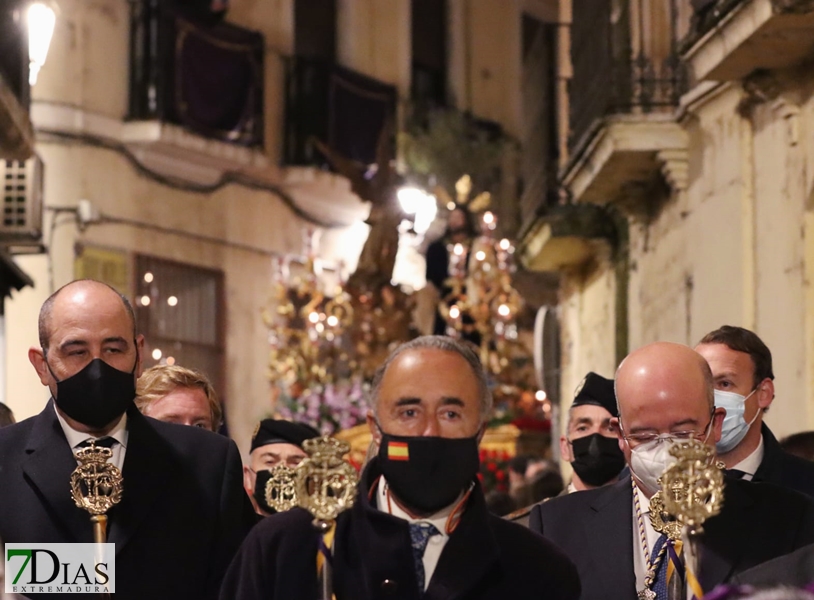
(398, 451)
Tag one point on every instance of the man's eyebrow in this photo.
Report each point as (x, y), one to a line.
(72, 343)
(115, 340)
(452, 400)
(684, 422)
(584, 421)
(408, 401)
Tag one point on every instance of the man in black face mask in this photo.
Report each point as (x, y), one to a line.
(183, 512)
(591, 444)
(419, 527)
(275, 442)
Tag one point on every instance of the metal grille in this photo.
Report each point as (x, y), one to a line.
(21, 201)
(14, 196)
(180, 311)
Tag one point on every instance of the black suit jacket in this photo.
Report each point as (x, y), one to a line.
(181, 519)
(784, 469)
(485, 558)
(595, 528)
(795, 569)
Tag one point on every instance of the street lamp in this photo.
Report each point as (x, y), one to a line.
(41, 18)
(417, 202)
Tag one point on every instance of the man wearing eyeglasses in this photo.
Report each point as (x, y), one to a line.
(744, 386)
(665, 394)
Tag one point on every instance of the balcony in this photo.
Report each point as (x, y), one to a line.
(205, 78)
(16, 132)
(623, 137)
(624, 92)
(568, 237)
(345, 109)
(729, 39)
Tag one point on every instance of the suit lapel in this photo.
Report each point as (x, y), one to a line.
(468, 555)
(146, 473)
(612, 522)
(726, 537)
(770, 468)
(48, 464)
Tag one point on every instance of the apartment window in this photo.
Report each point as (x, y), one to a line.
(315, 29)
(429, 44)
(180, 310)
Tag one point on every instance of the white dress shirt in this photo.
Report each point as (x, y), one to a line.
(119, 433)
(751, 463)
(639, 561)
(436, 543)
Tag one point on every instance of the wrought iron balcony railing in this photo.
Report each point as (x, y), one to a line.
(345, 109)
(207, 77)
(610, 75)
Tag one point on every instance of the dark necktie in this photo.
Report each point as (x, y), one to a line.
(420, 534)
(103, 442)
(660, 582)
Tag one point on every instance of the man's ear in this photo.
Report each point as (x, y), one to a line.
(565, 450)
(765, 394)
(140, 351)
(248, 481)
(375, 432)
(37, 359)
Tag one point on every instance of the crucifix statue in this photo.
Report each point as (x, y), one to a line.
(378, 257)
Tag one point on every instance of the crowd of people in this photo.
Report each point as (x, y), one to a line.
(195, 522)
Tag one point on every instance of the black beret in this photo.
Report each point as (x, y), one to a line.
(274, 431)
(596, 390)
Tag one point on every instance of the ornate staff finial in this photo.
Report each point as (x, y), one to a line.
(693, 486)
(96, 485)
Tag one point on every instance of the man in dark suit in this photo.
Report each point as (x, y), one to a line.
(419, 527)
(665, 394)
(744, 386)
(183, 512)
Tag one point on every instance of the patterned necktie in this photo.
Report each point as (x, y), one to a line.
(671, 566)
(660, 582)
(420, 534)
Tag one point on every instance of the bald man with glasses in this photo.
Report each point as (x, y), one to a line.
(665, 395)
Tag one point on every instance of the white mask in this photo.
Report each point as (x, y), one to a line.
(649, 461)
(735, 426)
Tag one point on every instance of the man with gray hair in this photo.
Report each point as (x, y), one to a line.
(419, 527)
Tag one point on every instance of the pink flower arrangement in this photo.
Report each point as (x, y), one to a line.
(330, 408)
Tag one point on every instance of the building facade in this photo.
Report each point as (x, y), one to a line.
(143, 187)
(698, 146)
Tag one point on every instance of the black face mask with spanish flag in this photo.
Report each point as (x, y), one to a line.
(428, 473)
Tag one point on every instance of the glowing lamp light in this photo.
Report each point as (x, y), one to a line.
(417, 202)
(41, 20)
(488, 218)
(148, 277)
(480, 255)
(333, 321)
(145, 300)
(170, 360)
(157, 354)
(313, 317)
(505, 244)
(458, 249)
(540, 396)
(454, 312)
(504, 311)
(172, 301)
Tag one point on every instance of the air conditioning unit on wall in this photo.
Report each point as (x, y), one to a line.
(21, 183)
